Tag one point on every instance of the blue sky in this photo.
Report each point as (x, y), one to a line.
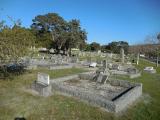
(104, 20)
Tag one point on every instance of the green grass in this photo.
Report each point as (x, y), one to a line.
(14, 101)
(149, 107)
(59, 73)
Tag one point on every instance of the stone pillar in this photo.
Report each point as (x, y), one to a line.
(137, 58)
(122, 55)
(105, 64)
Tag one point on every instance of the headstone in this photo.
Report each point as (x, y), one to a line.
(43, 78)
(42, 85)
(132, 70)
(104, 64)
(101, 78)
(122, 55)
(115, 67)
(94, 64)
(110, 65)
(149, 70)
(137, 58)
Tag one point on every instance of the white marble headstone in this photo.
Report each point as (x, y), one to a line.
(43, 78)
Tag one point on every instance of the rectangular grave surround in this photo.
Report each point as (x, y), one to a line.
(113, 96)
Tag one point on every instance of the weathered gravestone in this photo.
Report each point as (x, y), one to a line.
(101, 78)
(115, 67)
(43, 78)
(122, 55)
(132, 70)
(105, 64)
(150, 70)
(42, 85)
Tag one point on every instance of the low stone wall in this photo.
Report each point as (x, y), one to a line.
(64, 78)
(61, 67)
(86, 76)
(117, 104)
(123, 83)
(116, 72)
(91, 98)
(128, 98)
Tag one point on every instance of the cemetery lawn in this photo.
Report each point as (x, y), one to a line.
(14, 101)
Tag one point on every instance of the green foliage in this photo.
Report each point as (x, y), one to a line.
(16, 101)
(53, 31)
(95, 46)
(116, 46)
(87, 47)
(15, 42)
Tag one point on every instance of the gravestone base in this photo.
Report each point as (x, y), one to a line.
(41, 89)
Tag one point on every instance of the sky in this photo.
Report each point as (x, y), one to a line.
(104, 20)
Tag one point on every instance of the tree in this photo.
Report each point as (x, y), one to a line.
(75, 36)
(63, 35)
(95, 46)
(50, 23)
(116, 46)
(14, 43)
(87, 47)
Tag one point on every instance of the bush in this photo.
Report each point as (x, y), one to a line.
(9, 70)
